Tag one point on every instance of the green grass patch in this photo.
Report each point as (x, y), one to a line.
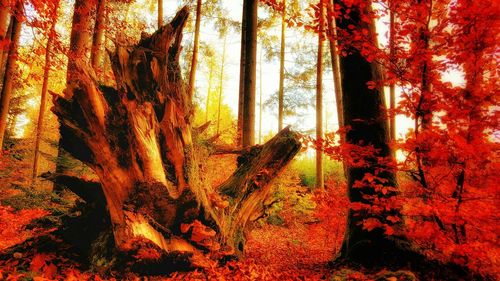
(305, 167)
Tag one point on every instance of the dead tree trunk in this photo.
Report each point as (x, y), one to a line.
(138, 140)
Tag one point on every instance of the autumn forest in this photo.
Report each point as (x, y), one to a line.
(249, 140)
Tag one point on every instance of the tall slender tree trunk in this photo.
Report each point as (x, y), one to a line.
(10, 68)
(260, 96)
(207, 102)
(392, 86)
(43, 97)
(364, 114)
(194, 59)
(423, 116)
(160, 13)
(97, 54)
(221, 83)
(4, 52)
(248, 134)
(320, 182)
(337, 78)
(241, 95)
(281, 93)
(4, 19)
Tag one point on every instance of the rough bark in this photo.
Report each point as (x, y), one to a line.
(250, 75)
(138, 140)
(97, 53)
(281, 93)
(4, 18)
(364, 115)
(249, 70)
(194, 59)
(320, 182)
(81, 35)
(241, 96)
(5, 53)
(43, 97)
(10, 67)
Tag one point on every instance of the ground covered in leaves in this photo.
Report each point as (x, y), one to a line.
(297, 240)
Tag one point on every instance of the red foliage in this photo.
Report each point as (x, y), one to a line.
(12, 225)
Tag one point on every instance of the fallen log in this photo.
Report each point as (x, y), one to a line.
(137, 138)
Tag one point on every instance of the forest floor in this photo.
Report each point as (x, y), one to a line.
(296, 241)
(292, 245)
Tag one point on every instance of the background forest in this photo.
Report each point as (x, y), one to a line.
(363, 136)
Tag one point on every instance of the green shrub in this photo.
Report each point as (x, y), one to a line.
(305, 167)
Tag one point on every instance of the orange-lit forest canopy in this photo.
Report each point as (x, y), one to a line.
(358, 142)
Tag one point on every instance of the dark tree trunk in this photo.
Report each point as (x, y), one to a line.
(138, 140)
(364, 115)
(241, 96)
(392, 86)
(249, 70)
(10, 68)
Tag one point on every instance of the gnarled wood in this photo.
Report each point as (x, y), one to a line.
(138, 140)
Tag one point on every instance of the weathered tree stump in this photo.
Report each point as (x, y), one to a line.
(137, 138)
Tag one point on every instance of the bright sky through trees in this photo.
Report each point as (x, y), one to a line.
(270, 69)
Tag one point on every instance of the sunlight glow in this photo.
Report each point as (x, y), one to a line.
(21, 125)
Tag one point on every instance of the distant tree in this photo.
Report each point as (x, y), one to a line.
(337, 78)
(194, 58)
(210, 58)
(221, 80)
(392, 85)
(282, 68)
(17, 19)
(320, 181)
(260, 96)
(45, 85)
